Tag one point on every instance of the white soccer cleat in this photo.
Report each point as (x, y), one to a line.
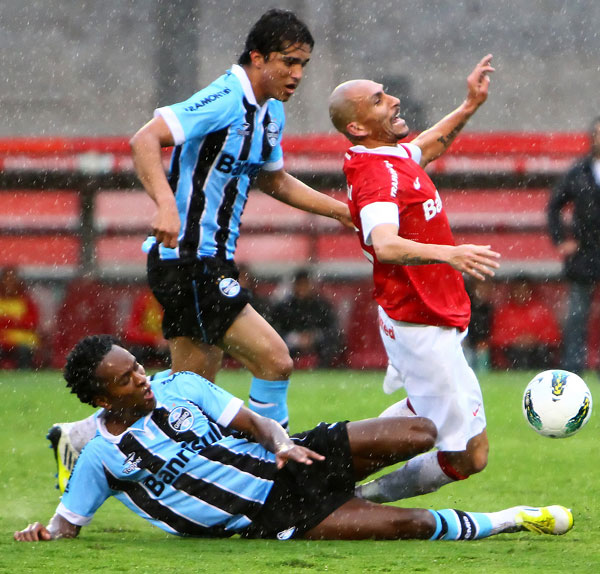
(545, 520)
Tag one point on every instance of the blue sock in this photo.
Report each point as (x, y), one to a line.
(269, 399)
(459, 525)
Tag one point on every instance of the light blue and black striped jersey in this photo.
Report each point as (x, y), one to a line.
(178, 466)
(223, 138)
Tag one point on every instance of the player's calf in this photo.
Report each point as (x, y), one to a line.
(359, 520)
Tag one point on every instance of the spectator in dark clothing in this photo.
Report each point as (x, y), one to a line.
(579, 244)
(308, 323)
(261, 303)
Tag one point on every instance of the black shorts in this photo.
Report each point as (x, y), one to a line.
(201, 298)
(304, 495)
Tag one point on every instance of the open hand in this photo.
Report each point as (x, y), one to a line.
(478, 81)
(33, 533)
(476, 260)
(296, 453)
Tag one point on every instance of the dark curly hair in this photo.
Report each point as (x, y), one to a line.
(81, 365)
(275, 31)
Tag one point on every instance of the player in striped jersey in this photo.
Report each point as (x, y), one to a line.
(225, 137)
(190, 458)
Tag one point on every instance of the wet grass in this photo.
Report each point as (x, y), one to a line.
(524, 468)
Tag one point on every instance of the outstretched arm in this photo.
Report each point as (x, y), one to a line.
(476, 260)
(286, 188)
(146, 151)
(437, 139)
(273, 437)
(58, 527)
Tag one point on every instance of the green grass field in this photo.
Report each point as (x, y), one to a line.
(524, 468)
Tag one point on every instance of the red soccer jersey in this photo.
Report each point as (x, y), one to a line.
(426, 294)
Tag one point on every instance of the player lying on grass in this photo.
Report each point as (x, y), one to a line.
(190, 458)
(227, 139)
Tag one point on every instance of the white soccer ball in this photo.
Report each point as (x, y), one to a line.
(557, 403)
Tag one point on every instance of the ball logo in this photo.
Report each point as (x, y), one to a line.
(532, 416)
(229, 287)
(181, 419)
(272, 133)
(559, 380)
(575, 423)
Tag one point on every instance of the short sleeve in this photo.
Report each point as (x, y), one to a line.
(87, 489)
(218, 404)
(274, 161)
(414, 152)
(375, 214)
(207, 111)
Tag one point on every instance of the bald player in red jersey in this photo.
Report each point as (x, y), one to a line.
(424, 310)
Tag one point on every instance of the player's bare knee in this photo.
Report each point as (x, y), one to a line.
(477, 454)
(478, 461)
(425, 432)
(278, 367)
(471, 461)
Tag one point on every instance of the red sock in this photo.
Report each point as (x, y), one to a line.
(448, 469)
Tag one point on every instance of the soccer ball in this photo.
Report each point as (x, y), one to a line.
(557, 403)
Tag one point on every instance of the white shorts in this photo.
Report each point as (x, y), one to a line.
(429, 362)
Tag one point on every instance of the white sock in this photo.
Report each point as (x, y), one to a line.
(81, 432)
(399, 409)
(420, 475)
(504, 520)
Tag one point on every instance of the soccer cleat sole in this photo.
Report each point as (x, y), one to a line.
(64, 454)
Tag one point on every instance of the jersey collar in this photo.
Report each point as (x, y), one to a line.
(396, 150)
(141, 425)
(241, 75)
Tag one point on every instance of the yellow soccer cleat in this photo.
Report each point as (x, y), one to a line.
(545, 520)
(64, 452)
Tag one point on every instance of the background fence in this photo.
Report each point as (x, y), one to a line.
(74, 217)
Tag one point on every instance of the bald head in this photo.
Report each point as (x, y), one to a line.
(344, 102)
(366, 115)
